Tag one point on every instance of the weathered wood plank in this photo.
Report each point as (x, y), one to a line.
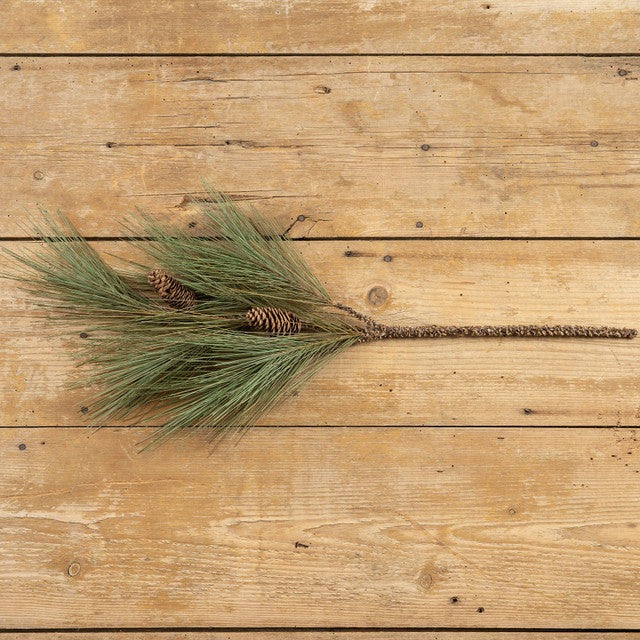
(513, 146)
(428, 382)
(330, 26)
(322, 527)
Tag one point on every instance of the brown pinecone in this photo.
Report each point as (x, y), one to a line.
(273, 320)
(175, 293)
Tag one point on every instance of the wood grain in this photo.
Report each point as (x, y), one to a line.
(513, 147)
(412, 527)
(387, 531)
(330, 26)
(428, 382)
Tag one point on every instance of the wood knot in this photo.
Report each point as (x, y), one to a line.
(377, 296)
(425, 580)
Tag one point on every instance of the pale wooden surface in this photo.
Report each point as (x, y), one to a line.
(537, 526)
(510, 142)
(327, 26)
(433, 382)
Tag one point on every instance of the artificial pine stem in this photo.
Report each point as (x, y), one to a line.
(373, 330)
(227, 326)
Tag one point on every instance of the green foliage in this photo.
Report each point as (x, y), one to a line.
(187, 369)
(69, 277)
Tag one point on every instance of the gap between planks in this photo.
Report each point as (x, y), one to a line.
(324, 634)
(329, 54)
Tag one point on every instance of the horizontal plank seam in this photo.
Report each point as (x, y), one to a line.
(533, 425)
(319, 629)
(372, 238)
(168, 54)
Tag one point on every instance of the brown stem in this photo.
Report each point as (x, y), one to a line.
(384, 332)
(373, 330)
(368, 320)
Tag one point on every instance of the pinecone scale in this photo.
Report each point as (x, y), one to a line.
(174, 292)
(273, 320)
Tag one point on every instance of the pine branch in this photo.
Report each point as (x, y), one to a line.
(213, 341)
(223, 328)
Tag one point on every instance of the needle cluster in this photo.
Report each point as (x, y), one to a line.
(199, 366)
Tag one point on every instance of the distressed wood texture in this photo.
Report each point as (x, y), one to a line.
(512, 146)
(322, 527)
(329, 26)
(425, 382)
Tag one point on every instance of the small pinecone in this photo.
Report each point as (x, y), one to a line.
(273, 320)
(175, 293)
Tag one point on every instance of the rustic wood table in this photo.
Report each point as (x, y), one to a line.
(450, 162)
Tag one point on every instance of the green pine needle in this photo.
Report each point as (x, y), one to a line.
(186, 369)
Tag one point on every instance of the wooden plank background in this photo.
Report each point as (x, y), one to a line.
(508, 153)
(323, 527)
(431, 490)
(329, 26)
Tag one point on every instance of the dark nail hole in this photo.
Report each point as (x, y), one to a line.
(301, 218)
(16, 67)
(454, 600)
(622, 72)
(594, 143)
(193, 224)
(22, 446)
(38, 175)
(387, 258)
(512, 512)
(487, 6)
(348, 254)
(480, 609)
(84, 409)
(419, 224)
(425, 147)
(84, 335)
(110, 144)
(527, 411)
(43, 442)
